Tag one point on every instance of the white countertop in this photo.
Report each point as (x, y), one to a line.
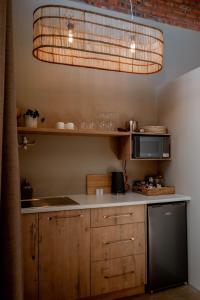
(108, 200)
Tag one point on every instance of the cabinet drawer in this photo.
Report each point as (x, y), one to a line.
(117, 241)
(117, 215)
(117, 274)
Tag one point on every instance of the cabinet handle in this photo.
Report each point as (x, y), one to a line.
(118, 275)
(120, 241)
(119, 216)
(33, 240)
(67, 217)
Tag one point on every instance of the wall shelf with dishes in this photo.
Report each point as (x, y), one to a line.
(134, 143)
(75, 132)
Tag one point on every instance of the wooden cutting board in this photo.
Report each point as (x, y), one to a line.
(103, 181)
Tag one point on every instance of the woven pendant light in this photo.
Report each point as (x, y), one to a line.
(76, 37)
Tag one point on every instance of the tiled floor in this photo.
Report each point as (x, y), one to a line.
(180, 293)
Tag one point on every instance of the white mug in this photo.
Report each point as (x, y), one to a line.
(60, 125)
(69, 126)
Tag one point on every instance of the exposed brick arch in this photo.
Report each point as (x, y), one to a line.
(182, 13)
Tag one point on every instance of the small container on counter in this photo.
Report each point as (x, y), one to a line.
(26, 190)
(99, 192)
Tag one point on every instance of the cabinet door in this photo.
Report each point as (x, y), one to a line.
(64, 255)
(30, 255)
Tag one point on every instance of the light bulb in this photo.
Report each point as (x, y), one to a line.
(70, 27)
(70, 37)
(132, 47)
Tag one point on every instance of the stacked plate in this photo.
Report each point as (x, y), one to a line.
(155, 129)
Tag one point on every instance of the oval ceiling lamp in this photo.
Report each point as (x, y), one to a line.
(77, 37)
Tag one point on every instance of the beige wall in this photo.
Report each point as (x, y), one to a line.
(58, 165)
(179, 109)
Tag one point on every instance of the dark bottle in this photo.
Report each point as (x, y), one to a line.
(26, 190)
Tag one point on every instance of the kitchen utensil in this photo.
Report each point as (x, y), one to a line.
(26, 189)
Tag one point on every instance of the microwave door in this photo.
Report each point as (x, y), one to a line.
(150, 147)
(166, 147)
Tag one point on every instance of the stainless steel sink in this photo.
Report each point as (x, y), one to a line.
(46, 202)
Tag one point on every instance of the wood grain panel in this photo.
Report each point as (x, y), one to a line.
(125, 148)
(99, 181)
(64, 251)
(30, 255)
(54, 131)
(117, 241)
(117, 274)
(117, 215)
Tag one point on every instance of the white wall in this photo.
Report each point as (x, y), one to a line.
(179, 109)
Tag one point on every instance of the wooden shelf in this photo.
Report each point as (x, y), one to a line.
(53, 131)
(125, 138)
(149, 159)
(150, 133)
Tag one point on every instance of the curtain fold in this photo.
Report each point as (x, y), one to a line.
(11, 287)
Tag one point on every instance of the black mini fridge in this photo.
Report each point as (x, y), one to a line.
(167, 246)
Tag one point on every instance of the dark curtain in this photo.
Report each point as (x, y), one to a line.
(10, 227)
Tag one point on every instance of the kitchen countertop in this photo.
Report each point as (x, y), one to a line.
(108, 200)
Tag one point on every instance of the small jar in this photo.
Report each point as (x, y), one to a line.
(31, 122)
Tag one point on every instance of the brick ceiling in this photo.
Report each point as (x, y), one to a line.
(182, 13)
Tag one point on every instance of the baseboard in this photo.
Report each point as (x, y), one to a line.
(193, 287)
(120, 294)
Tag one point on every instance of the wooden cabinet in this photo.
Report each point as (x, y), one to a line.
(81, 253)
(64, 255)
(117, 249)
(30, 255)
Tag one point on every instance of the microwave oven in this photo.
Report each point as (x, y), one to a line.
(151, 146)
